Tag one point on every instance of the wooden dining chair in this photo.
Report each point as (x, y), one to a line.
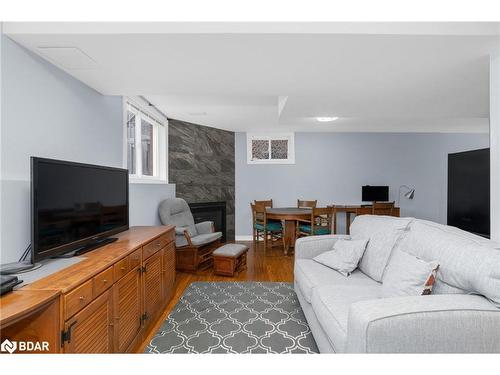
(383, 208)
(264, 228)
(306, 204)
(320, 222)
(333, 207)
(265, 203)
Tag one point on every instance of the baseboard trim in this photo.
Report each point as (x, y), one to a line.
(244, 238)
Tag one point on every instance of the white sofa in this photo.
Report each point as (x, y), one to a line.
(347, 315)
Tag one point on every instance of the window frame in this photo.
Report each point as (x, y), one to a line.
(160, 143)
(290, 137)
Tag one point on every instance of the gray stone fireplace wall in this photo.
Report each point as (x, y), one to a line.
(201, 165)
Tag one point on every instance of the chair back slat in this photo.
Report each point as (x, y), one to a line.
(306, 204)
(266, 204)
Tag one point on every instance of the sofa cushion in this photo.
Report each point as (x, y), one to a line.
(231, 250)
(310, 274)
(463, 264)
(272, 226)
(344, 257)
(461, 233)
(331, 306)
(176, 211)
(318, 229)
(407, 275)
(203, 239)
(383, 233)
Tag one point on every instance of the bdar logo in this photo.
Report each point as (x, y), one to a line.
(8, 346)
(24, 346)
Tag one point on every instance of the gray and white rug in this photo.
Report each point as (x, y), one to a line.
(235, 317)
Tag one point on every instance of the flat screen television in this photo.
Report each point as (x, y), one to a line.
(75, 207)
(469, 191)
(375, 193)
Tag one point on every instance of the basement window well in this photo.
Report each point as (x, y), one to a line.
(270, 148)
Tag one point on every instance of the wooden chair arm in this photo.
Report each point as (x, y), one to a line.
(188, 237)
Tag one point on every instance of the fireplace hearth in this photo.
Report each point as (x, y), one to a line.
(211, 211)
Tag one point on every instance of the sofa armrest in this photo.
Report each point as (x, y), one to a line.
(309, 247)
(424, 324)
(205, 227)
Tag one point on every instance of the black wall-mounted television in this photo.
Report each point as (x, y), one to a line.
(75, 207)
(469, 191)
(374, 193)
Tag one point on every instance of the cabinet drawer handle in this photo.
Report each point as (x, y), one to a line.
(105, 281)
(82, 298)
(122, 268)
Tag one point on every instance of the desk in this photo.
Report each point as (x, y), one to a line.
(357, 210)
(289, 215)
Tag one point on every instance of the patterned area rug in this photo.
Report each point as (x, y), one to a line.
(235, 317)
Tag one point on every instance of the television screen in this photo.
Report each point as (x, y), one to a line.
(469, 191)
(375, 193)
(74, 204)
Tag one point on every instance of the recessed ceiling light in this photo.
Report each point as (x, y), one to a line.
(326, 119)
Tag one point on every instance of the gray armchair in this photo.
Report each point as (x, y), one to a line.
(194, 242)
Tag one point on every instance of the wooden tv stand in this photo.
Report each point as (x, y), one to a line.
(107, 303)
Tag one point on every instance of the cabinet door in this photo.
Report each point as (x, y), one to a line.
(152, 288)
(90, 330)
(127, 296)
(168, 272)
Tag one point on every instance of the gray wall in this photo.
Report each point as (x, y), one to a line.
(332, 167)
(201, 164)
(48, 113)
(144, 200)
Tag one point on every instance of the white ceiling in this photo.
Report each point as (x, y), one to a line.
(403, 77)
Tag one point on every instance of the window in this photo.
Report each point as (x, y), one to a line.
(146, 145)
(270, 148)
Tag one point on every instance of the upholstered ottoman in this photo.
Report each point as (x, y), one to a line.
(230, 258)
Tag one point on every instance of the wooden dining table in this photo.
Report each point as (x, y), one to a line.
(289, 215)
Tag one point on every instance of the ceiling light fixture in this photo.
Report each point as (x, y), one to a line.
(326, 119)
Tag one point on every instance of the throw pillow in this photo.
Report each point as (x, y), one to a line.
(383, 233)
(407, 275)
(345, 255)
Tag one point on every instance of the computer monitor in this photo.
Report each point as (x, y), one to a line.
(375, 193)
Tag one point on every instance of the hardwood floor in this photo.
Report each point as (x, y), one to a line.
(272, 265)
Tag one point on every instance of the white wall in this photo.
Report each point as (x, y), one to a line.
(50, 114)
(332, 167)
(495, 143)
